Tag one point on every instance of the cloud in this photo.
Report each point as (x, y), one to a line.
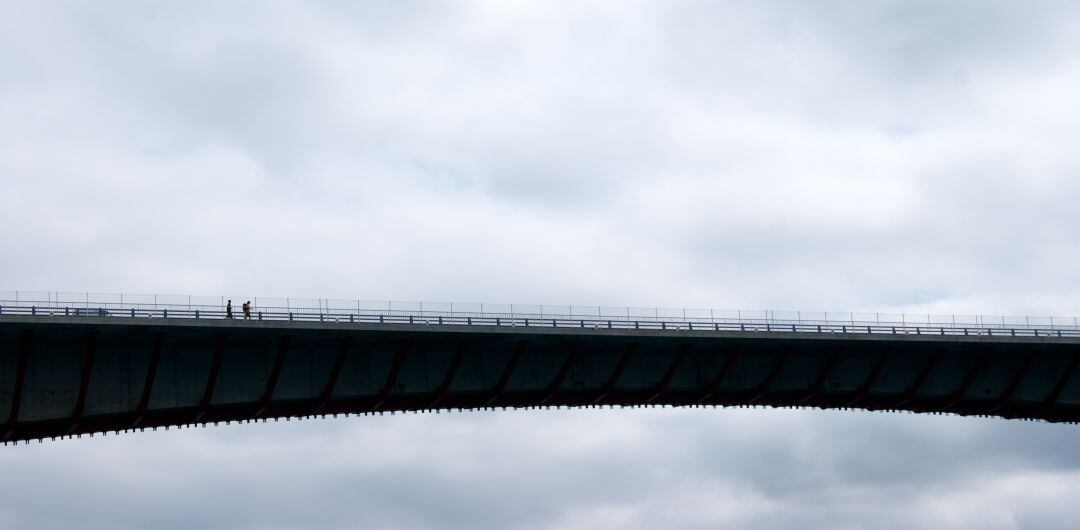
(893, 156)
(755, 468)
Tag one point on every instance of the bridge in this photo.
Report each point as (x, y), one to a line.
(72, 368)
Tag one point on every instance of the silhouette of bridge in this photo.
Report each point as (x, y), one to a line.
(74, 367)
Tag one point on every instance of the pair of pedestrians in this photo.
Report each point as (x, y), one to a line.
(246, 307)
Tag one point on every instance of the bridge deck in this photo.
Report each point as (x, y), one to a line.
(72, 375)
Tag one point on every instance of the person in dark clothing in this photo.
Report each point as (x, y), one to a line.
(247, 310)
(228, 309)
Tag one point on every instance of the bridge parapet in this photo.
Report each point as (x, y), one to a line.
(509, 315)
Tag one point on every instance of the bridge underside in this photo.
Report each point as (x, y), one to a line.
(62, 377)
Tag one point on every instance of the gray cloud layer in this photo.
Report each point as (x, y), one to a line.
(566, 469)
(852, 156)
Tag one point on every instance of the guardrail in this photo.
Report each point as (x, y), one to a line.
(355, 311)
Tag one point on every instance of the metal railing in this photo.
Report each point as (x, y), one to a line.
(516, 315)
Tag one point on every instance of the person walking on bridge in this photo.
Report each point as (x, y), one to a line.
(228, 309)
(247, 310)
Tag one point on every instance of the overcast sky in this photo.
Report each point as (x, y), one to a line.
(865, 156)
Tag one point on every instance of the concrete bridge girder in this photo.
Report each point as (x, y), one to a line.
(63, 376)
